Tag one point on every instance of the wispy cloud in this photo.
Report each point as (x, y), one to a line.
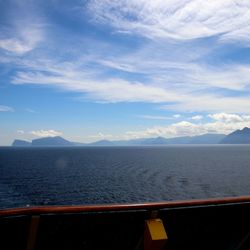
(46, 133)
(184, 73)
(6, 109)
(197, 117)
(231, 77)
(22, 41)
(180, 20)
(23, 29)
(106, 90)
(30, 110)
(153, 117)
(156, 117)
(211, 103)
(186, 96)
(161, 71)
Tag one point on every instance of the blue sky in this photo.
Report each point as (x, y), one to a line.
(91, 70)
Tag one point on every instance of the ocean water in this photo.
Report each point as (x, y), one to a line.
(91, 175)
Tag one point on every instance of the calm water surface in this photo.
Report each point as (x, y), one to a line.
(80, 175)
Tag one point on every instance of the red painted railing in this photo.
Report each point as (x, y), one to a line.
(122, 207)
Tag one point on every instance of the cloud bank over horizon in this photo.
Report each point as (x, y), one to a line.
(219, 123)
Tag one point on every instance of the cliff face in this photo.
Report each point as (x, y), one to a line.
(238, 137)
(21, 143)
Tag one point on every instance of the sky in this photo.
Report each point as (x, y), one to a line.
(111, 69)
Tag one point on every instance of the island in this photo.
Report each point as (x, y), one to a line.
(21, 143)
(236, 137)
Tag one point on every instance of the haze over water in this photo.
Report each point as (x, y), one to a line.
(97, 175)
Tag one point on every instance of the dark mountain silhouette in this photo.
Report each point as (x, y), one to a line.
(51, 141)
(59, 141)
(238, 137)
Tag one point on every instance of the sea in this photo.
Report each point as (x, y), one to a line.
(102, 175)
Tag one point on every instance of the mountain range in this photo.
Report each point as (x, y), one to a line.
(236, 137)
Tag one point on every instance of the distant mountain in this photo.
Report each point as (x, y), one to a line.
(51, 141)
(79, 144)
(155, 141)
(180, 140)
(207, 139)
(238, 137)
(101, 143)
(200, 139)
(21, 143)
(141, 141)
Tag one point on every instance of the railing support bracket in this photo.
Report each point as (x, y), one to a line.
(155, 236)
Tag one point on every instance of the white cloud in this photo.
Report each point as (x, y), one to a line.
(6, 109)
(109, 90)
(20, 131)
(177, 116)
(182, 128)
(197, 117)
(181, 19)
(185, 128)
(46, 133)
(101, 136)
(153, 117)
(228, 118)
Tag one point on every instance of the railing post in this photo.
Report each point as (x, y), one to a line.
(33, 232)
